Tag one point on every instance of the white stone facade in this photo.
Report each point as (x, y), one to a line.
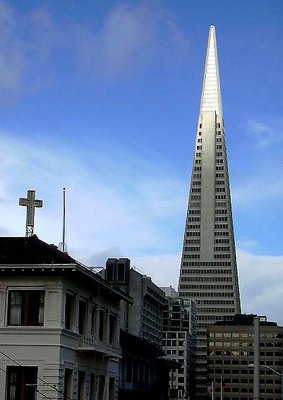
(59, 332)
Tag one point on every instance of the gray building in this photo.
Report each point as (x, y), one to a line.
(208, 272)
(179, 341)
(144, 317)
(143, 371)
(59, 326)
(231, 358)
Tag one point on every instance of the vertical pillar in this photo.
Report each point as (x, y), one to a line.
(256, 358)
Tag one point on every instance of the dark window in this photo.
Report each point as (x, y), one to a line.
(129, 370)
(112, 329)
(109, 272)
(81, 385)
(121, 272)
(101, 387)
(21, 383)
(93, 321)
(26, 307)
(111, 388)
(69, 311)
(82, 317)
(92, 387)
(135, 371)
(68, 387)
(101, 324)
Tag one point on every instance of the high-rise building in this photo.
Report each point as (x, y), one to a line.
(144, 317)
(179, 332)
(208, 272)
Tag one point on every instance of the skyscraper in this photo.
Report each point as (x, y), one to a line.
(208, 272)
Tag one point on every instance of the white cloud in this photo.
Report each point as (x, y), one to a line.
(12, 60)
(164, 269)
(131, 37)
(261, 284)
(127, 210)
(258, 190)
(265, 134)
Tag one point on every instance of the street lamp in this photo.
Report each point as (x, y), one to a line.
(275, 372)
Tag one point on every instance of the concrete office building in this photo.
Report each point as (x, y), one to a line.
(179, 337)
(143, 371)
(59, 326)
(208, 272)
(144, 317)
(231, 352)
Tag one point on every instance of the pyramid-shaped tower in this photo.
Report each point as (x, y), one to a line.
(208, 272)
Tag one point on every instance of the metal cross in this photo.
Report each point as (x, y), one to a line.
(30, 203)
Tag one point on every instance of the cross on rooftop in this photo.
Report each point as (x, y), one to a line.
(30, 203)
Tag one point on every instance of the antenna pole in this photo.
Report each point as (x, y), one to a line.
(64, 222)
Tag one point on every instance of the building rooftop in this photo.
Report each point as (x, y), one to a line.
(244, 319)
(24, 256)
(31, 250)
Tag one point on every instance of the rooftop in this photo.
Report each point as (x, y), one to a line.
(31, 250)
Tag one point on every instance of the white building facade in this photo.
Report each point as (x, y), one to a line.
(59, 326)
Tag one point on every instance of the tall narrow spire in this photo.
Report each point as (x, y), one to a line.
(211, 94)
(208, 272)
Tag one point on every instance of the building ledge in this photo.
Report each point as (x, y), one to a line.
(90, 344)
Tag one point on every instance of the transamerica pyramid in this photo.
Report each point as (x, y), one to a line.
(208, 272)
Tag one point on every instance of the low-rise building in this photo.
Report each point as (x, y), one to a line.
(59, 325)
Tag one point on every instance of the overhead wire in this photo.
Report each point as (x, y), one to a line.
(54, 387)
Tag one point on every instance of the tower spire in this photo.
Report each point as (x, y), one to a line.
(211, 93)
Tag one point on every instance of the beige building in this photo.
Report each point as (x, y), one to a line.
(59, 326)
(231, 357)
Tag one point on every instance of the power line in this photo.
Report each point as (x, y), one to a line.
(46, 397)
(40, 379)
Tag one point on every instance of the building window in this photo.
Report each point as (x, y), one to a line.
(92, 387)
(68, 384)
(21, 383)
(101, 387)
(112, 328)
(26, 307)
(69, 311)
(81, 385)
(93, 321)
(82, 317)
(101, 324)
(121, 272)
(111, 388)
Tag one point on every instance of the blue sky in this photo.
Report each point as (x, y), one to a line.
(102, 97)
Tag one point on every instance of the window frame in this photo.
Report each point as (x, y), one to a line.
(25, 307)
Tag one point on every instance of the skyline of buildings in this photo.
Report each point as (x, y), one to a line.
(152, 110)
(200, 223)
